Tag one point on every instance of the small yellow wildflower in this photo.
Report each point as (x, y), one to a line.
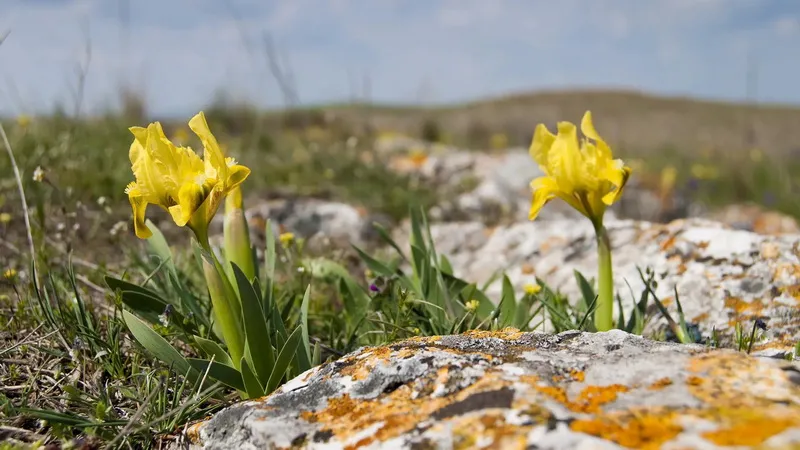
(177, 180)
(704, 172)
(669, 175)
(5, 218)
(10, 275)
(286, 238)
(417, 156)
(586, 177)
(181, 136)
(38, 174)
(23, 120)
(582, 174)
(472, 305)
(498, 141)
(756, 155)
(532, 288)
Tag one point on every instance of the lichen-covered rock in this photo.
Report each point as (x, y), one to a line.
(723, 276)
(515, 390)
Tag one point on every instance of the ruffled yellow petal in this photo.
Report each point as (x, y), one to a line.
(212, 152)
(236, 175)
(139, 206)
(588, 130)
(565, 159)
(615, 194)
(190, 197)
(540, 146)
(544, 190)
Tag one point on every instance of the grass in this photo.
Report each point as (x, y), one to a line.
(70, 369)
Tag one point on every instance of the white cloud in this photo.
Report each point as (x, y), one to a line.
(463, 48)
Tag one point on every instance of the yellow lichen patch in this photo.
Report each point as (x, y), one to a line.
(397, 412)
(668, 243)
(590, 399)
(507, 334)
(769, 250)
(193, 432)
(793, 290)
(742, 308)
(786, 270)
(660, 384)
(359, 366)
(700, 318)
(749, 427)
(577, 375)
(489, 429)
(694, 381)
(635, 429)
(737, 384)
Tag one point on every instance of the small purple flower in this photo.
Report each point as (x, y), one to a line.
(693, 183)
(770, 199)
(374, 288)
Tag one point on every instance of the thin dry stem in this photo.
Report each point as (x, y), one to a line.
(26, 214)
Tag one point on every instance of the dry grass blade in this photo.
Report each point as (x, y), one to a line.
(25, 213)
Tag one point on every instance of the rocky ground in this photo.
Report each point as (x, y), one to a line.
(609, 390)
(516, 390)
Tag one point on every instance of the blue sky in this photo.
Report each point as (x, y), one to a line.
(181, 52)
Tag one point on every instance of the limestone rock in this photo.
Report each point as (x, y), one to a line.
(723, 276)
(523, 390)
(323, 223)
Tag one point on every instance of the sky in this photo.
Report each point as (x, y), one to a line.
(181, 54)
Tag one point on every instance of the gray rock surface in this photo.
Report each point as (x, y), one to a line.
(723, 276)
(523, 390)
(323, 223)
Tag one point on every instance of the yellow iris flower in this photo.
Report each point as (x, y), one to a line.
(582, 174)
(176, 179)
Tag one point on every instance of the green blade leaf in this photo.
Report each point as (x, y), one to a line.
(144, 305)
(373, 264)
(157, 345)
(211, 348)
(251, 384)
(158, 245)
(116, 284)
(218, 371)
(587, 292)
(255, 327)
(284, 359)
(508, 304)
(304, 355)
(316, 359)
(445, 265)
(386, 236)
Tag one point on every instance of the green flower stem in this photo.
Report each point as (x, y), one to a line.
(224, 301)
(603, 319)
(236, 235)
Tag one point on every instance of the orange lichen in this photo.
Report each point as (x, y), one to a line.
(398, 411)
(590, 399)
(507, 334)
(641, 430)
(748, 427)
(700, 318)
(527, 269)
(577, 375)
(660, 384)
(492, 429)
(669, 243)
(694, 381)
